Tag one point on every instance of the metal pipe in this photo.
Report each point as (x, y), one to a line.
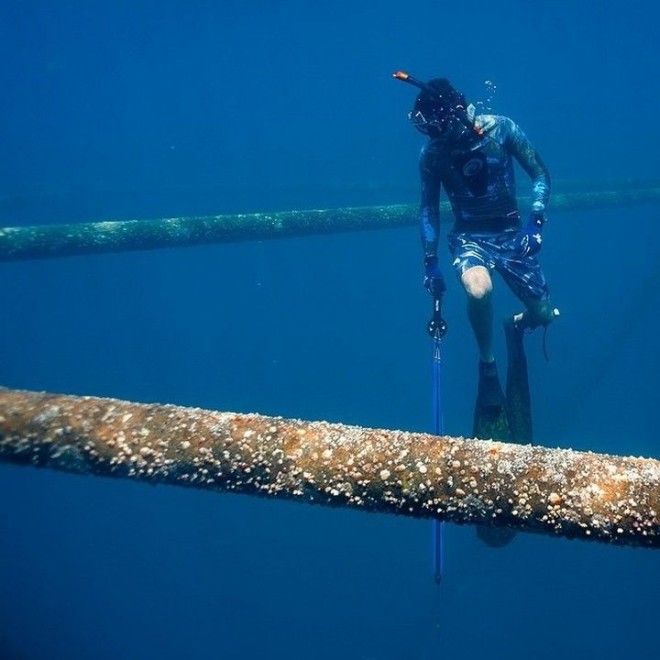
(558, 492)
(50, 241)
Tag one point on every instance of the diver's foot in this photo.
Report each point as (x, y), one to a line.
(490, 397)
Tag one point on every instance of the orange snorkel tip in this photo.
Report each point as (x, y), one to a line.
(405, 77)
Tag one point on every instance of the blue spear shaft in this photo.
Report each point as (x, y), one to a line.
(437, 329)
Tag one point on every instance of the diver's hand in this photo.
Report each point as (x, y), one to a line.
(434, 282)
(529, 239)
(528, 243)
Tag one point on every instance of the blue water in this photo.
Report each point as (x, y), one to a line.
(142, 109)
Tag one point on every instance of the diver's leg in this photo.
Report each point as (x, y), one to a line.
(490, 420)
(478, 286)
(490, 417)
(526, 280)
(472, 265)
(489, 413)
(538, 312)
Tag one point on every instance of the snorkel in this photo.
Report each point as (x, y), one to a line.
(459, 112)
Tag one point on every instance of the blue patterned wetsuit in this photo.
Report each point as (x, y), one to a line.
(478, 176)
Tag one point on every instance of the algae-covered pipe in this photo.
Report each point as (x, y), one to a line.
(557, 492)
(49, 241)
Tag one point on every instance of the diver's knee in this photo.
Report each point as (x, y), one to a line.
(477, 282)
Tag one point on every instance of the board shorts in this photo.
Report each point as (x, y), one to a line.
(523, 275)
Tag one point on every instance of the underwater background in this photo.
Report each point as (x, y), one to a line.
(149, 109)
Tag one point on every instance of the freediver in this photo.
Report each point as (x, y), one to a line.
(472, 157)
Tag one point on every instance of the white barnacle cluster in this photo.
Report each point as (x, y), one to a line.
(47, 415)
(107, 226)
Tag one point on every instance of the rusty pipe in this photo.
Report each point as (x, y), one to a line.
(558, 492)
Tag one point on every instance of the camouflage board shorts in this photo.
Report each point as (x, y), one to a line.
(496, 252)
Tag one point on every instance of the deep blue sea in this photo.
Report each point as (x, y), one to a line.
(145, 109)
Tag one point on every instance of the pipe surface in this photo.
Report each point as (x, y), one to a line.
(557, 492)
(50, 241)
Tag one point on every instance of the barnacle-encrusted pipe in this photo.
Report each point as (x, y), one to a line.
(49, 241)
(553, 491)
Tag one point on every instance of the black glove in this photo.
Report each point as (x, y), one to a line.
(529, 239)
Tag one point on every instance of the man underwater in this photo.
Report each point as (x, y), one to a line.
(472, 157)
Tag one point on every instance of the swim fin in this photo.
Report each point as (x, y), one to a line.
(518, 406)
(491, 422)
(518, 399)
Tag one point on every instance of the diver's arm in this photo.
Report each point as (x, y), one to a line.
(531, 162)
(529, 239)
(429, 221)
(429, 212)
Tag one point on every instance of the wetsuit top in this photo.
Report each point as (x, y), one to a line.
(477, 173)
